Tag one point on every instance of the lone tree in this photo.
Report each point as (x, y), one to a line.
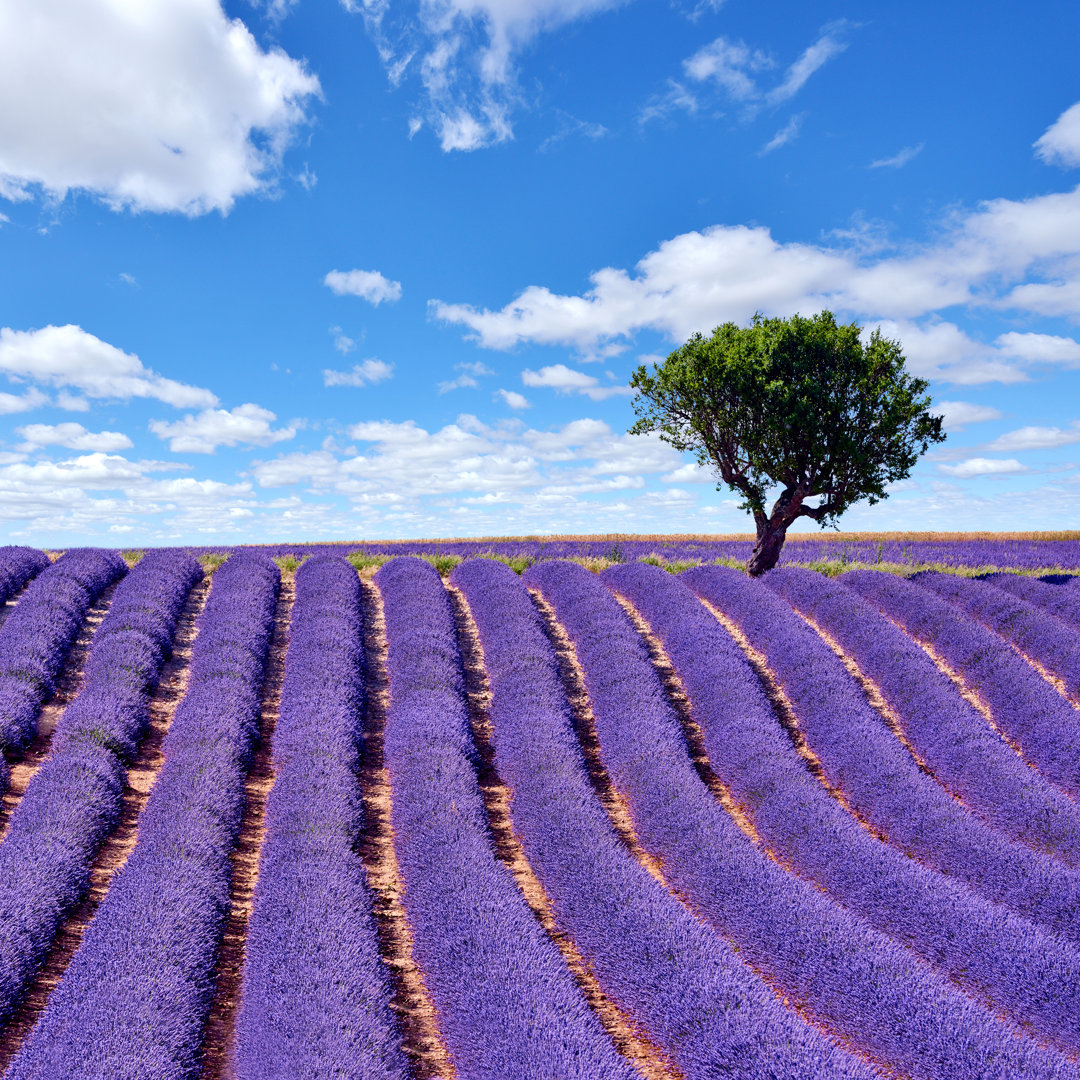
(799, 404)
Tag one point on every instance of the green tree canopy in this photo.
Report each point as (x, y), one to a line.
(802, 404)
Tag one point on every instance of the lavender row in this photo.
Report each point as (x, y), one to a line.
(1060, 598)
(37, 635)
(670, 974)
(17, 566)
(953, 739)
(1025, 708)
(874, 772)
(1021, 968)
(1032, 631)
(506, 1002)
(136, 996)
(848, 977)
(74, 800)
(302, 1013)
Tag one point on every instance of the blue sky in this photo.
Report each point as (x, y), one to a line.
(350, 269)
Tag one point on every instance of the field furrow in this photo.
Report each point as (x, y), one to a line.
(422, 1041)
(101, 822)
(135, 999)
(953, 737)
(1015, 966)
(507, 1004)
(662, 965)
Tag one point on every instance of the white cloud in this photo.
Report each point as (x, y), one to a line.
(1059, 298)
(1041, 348)
(980, 466)
(16, 403)
(464, 54)
(514, 399)
(369, 285)
(813, 58)
(203, 433)
(958, 414)
(899, 159)
(565, 380)
(785, 135)
(729, 64)
(73, 436)
(470, 372)
(68, 356)
(371, 370)
(1060, 143)
(1036, 438)
(169, 106)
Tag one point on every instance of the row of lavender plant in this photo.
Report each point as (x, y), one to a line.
(962, 751)
(1021, 968)
(672, 975)
(876, 774)
(1046, 639)
(316, 998)
(135, 999)
(851, 978)
(74, 800)
(17, 566)
(37, 635)
(1025, 708)
(507, 1004)
(1060, 598)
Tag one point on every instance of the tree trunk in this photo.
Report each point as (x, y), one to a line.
(766, 551)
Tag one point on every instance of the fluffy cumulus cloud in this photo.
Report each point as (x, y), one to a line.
(1036, 438)
(204, 432)
(70, 357)
(1060, 143)
(980, 466)
(367, 371)
(369, 285)
(566, 380)
(72, 436)
(170, 106)
(463, 54)
(958, 414)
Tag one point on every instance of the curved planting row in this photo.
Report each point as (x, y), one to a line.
(17, 566)
(315, 1001)
(38, 633)
(1047, 641)
(1024, 707)
(878, 996)
(506, 1002)
(1061, 599)
(136, 996)
(965, 754)
(73, 801)
(876, 774)
(670, 974)
(1023, 969)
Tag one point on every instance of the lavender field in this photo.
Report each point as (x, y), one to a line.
(322, 811)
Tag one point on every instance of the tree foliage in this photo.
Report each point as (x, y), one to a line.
(803, 404)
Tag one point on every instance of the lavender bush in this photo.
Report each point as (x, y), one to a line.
(674, 977)
(507, 1004)
(1024, 707)
(316, 998)
(1021, 968)
(135, 999)
(1057, 598)
(17, 566)
(73, 801)
(878, 777)
(964, 753)
(876, 995)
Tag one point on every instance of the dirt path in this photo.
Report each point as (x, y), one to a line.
(218, 1040)
(418, 1021)
(68, 684)
(118, 846)
(650, 1062)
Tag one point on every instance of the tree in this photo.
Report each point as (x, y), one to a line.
(801, 404)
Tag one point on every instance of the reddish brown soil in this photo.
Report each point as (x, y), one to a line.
(629, 1039)
(67, 686)
(218, 1039)
(118, 846)
(417, 1018)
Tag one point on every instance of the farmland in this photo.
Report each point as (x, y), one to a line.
(553, 813)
